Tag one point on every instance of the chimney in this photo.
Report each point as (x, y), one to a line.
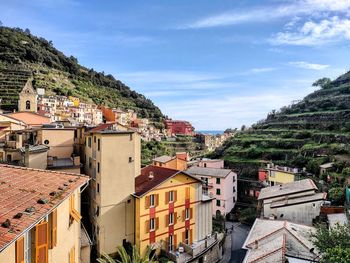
(151, 175)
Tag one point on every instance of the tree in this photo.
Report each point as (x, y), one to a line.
(333, 244)
(324, 83)
(136, 257)
(336, 195)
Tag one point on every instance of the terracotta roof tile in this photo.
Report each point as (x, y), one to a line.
(21, 188)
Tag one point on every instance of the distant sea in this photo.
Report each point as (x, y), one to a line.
(212, 132)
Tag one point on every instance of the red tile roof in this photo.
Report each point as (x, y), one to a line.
(143, 184)
(102, 127)
(21, 188)
(30, 118)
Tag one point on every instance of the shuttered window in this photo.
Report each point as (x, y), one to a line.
(53, 229)
(187, 194)
(72, 211)
(20, 250)
(72, 255)
(41, 243)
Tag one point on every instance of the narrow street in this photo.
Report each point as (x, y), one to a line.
(238, 236)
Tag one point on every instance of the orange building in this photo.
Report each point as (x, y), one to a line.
(170, 162)
(167, 208)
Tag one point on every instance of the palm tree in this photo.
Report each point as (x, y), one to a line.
(125, 258)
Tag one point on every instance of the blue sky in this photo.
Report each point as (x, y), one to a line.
(218, 64)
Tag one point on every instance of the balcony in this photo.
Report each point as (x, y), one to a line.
(187, 253)
(11, 144)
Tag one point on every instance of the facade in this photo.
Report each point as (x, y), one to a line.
(112, 160)
(297, 202)
(279, 242)
(9, 124)
(178, 128)
(170, 162)
(42, 223)
(220, 184)
(28, 98)
(170, 210)
(209, 163)
(274, 174)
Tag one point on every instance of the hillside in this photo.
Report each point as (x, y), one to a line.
(306, 134)
(23, 55)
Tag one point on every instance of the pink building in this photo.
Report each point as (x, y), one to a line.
(210, 163)
(220, 184)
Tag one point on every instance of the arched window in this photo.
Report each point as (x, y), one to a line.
(27, 105)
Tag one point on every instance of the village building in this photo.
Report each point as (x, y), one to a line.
(31, 119)
(275, 174)
(170, 162)
(172, 215)
(208, 163)
(176, 127)
(220, 184)
(9, 124)
(28, 98)
(279, 242)
(297, 202)
(40, 216)
(112, 160)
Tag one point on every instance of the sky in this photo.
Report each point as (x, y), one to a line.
(218, 64)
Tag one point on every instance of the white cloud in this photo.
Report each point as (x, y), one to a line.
(315, 33)
(307, 65)
(262, 70)
(265, 14)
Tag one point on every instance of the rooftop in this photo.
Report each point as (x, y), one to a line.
(110, 128)
(214, 172)
(20, 191)
(163, 159)
(299, 200)
(30, 118)
(271, 236)
(35, 148)
(144, 184)
(286, 189)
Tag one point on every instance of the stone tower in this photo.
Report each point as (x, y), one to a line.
(28, 98)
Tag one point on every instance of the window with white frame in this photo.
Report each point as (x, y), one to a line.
(151, 200)
(152, 224)
(171, 196)
(187, 213)
(171, 242)
(171, 218)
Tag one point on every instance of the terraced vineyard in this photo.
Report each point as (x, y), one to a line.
(306, 134)
(12, 82)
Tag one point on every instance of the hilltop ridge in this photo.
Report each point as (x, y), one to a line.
(23, 54)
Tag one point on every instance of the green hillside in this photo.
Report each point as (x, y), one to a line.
(23, 55)
(306, 134)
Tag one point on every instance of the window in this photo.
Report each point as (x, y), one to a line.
(41, 244)
(152, 224)
(234, 179)
(90, 162)
(130, 137)
(98, 167)
(171, 218)
(46, 142)
(234, 189)
(20, 250)
(234, 199)
(27, 105)
(53, 229)
(218, 203)
(72, 255)
(171, 242)
(98, 144)
(171, 196)
(89, 142)
(97, 213)
(73, 213)
(187, 213)
(217, 180)
(130, 160)
(205, 165)
(94, 139)
(218, 191)
(151, 200)
(98, 187)
(187, 236)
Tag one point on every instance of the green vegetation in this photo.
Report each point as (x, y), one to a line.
(150, 150)
(124, 257)
(306, 134)
(333, 244)
(23, 55)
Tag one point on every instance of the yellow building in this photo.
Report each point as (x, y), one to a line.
(112, 160)
(170, 162)
(28, 98)
(75, 100)
(169, 209)
(40, 216)
(280, 175)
